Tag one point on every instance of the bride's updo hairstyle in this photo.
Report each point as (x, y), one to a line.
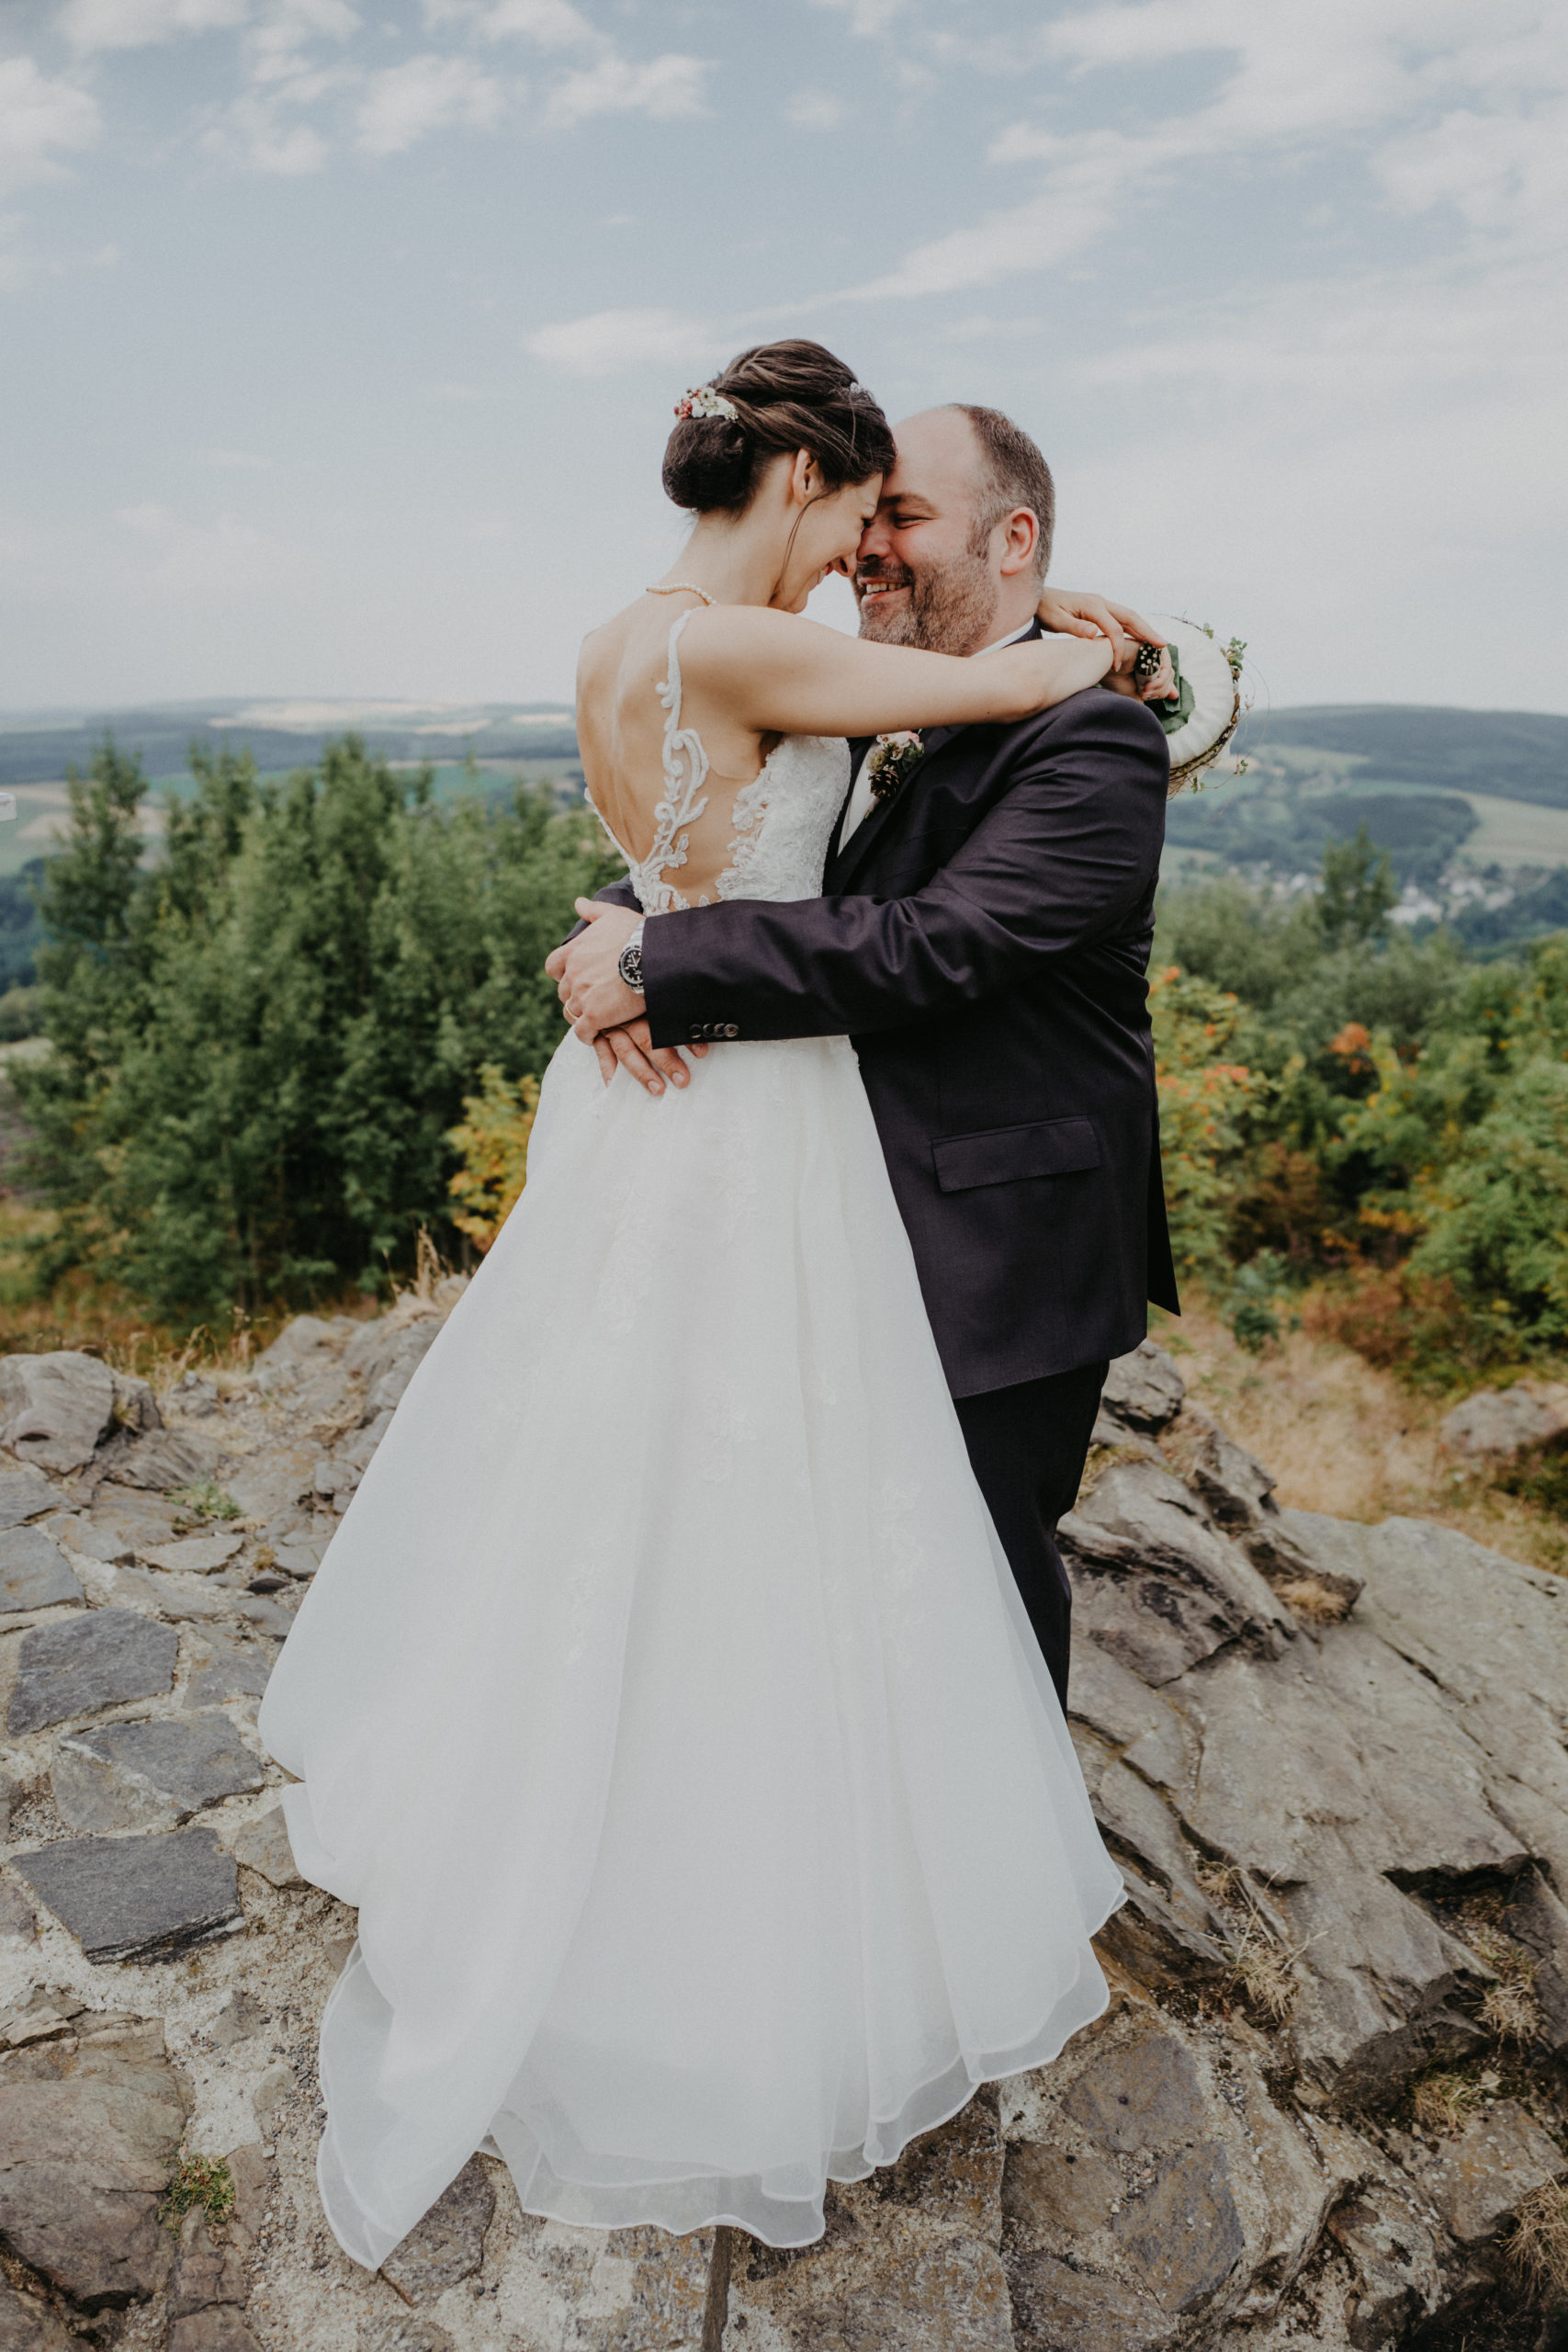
(787, 396)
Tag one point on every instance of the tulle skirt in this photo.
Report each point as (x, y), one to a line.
(665, 1704)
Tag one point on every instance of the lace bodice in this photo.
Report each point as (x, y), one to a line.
(782, 821)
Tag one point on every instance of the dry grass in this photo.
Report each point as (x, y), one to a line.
(1537, 2249)
(1261, 1970)
(1343, 1436)
(1509, 2007)
(1264, 1974)
(103, 1321)
(1313, 1602)
(1444, 2102)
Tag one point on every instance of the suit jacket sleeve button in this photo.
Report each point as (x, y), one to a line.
(695, 1033)
(730, 1030)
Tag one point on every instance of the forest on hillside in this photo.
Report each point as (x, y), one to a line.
(309, 1030)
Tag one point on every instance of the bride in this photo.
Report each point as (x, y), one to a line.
(665, 1703)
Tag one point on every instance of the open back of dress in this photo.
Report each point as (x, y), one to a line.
(778, 825)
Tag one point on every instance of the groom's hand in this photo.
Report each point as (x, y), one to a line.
(585, 970)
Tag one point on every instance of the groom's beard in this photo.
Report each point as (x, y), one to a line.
(949, 609)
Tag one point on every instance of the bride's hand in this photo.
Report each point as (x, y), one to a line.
(1066, 614)
(631, 1049)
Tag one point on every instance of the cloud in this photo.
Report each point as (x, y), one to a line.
(259, 129)
(90, 25)
(254, 132)
(666, 89)
(814, 110)
(867, 17)
(549, 24)
(275, 43)
(613, 341)
(426, 94)
(1367, 78)
(38, 119)
(227, 559)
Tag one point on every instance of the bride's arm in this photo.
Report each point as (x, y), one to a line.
(786, 676)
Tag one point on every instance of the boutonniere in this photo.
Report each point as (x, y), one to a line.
(890, 760)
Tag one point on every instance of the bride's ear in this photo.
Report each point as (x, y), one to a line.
(805, 478)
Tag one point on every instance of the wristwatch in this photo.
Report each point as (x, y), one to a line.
(630, 962)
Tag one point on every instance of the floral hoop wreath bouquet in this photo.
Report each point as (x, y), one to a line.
(1205, 710)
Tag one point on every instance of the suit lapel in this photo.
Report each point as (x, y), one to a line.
(847, 862)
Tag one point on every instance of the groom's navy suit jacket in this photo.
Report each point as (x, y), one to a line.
(983, 939)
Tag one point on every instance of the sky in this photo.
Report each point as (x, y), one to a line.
(339, 339)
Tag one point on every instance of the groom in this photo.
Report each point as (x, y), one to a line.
(983, 937)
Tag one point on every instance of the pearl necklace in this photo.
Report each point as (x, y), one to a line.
(680, 588)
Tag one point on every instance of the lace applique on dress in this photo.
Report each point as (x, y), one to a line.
(683, 802)
(781, 820)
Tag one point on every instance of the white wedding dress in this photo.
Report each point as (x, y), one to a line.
(664, 1701)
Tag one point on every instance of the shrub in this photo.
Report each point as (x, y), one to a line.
(493, 1140)
(1497, 1214)
(261, 1044)
(1203, 1096)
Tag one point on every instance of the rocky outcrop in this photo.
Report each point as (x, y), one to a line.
(1330, 1759)
(1498, 1425)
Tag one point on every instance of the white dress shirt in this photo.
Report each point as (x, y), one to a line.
(860, 798)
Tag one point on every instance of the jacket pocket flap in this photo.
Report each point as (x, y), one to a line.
(1005, 1155)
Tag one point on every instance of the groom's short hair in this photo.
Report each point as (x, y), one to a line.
(1013, 474)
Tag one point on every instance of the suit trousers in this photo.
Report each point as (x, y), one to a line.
(1028, 1445)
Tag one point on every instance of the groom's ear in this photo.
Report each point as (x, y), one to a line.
(1020, 547)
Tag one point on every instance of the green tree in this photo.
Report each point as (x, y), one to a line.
(305, 986)
(1358, 891)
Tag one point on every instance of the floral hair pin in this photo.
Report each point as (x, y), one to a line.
(892, 759)
(703, 400)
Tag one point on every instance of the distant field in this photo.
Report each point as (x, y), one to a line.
(1516, 832)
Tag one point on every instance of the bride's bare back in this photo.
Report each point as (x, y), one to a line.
(653, 787)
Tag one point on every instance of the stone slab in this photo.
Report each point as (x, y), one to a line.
(164, 1459)
(17, 1918)
(151, 1775)
(1182, 2234)
(1495, 1424)
(25, 1494)
(448, 2244)
(87, 1539)
(79, 1664)
(177, 1597)
(228, 1671)
(54, 1409)
(34, 1573)
(1478, 2179)
(138, 1898)
(299, 1560)
(1145, 2094)
(1145, 1389)
(90, 2127)
(191, 1555)
(399, 2332)
(28, 2325)
(208, 2271)
(263, 1845)
(220, 2329)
